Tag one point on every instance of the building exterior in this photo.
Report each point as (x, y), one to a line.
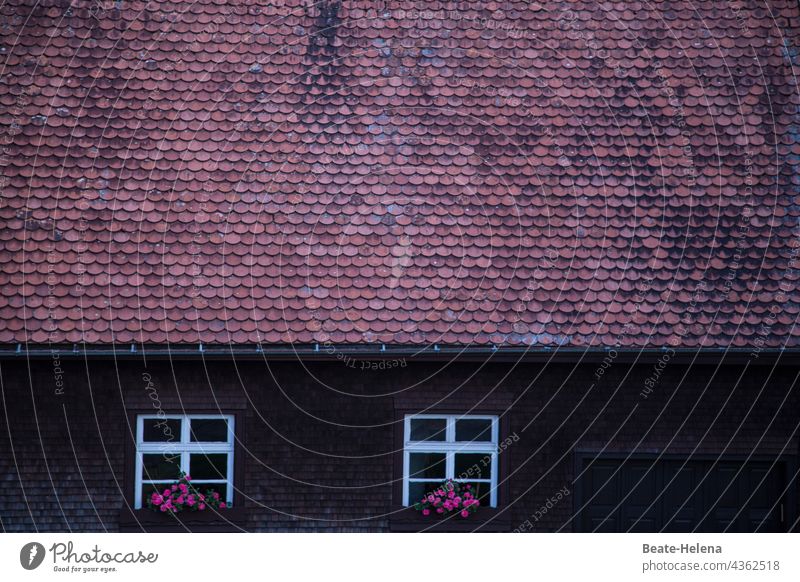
(326, 256)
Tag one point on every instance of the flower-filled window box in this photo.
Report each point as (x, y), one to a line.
(185, 496)
(449, 498)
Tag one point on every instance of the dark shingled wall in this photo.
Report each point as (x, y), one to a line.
(319, 439)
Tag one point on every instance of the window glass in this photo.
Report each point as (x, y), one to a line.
(220, 488)
(428, 429)
(427, 465)
(417, 489)
(160, 430)
(209, 430)
(208, 466)
(473, 466)
(481, 491)
(477, 429)
(161, 466)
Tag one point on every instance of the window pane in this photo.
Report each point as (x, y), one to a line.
(473, 466)
(161, 430)
(474, 429)
(202, 466)
(427, 465)
(209, 430)
(208, 489)
(428, 429)
(161, 466)
(417, 490)
(481, 491)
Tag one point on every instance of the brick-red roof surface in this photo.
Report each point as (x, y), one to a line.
(505, 173)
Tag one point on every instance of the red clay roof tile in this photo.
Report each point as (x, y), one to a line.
(607, 175)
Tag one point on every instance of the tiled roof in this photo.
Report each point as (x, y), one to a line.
(506, 173)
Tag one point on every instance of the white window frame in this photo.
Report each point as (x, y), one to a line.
(183, 446)
(450, 447)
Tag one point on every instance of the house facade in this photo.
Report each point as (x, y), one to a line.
(327, 257)
(320, 446)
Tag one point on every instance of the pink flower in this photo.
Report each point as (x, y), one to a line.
(174, 487)
(451, 494)
(440, 510)
(465, 513)
(167, 493)
(157, 499)
(163, 508)
(179, 500)
(223, 505)
(183, 487)
(187, 477)
(426, 512)
(440, 493)
(201, 507)
(202, 497)
(215, 495)
(467, 486)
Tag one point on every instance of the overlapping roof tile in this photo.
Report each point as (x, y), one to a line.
(509, 173)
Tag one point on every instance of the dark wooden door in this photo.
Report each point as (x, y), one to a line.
(679, 495)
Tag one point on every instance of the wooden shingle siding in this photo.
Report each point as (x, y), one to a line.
(322, 458)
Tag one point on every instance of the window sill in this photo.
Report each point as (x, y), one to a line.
(145, 520)
(485, 520)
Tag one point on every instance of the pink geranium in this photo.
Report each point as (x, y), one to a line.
(450, 497)
(184, 496)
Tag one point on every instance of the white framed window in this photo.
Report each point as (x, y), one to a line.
(449, 446)
(200, 445)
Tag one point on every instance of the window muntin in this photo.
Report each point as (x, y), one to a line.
(460, 447)
(198, 444)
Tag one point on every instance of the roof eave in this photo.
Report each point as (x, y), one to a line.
(328, 351)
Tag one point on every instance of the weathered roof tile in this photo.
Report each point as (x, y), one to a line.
(512, 173)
